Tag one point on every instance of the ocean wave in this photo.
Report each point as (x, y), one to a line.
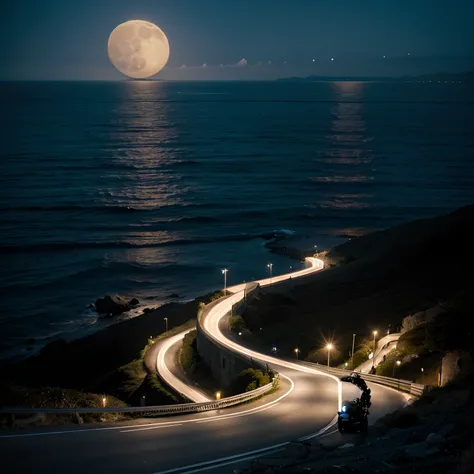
(196, 219)
(69, 208)
(65, 246)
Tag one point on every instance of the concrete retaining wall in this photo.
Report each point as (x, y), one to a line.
(225, 365)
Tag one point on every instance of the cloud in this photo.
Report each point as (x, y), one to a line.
(242, 62)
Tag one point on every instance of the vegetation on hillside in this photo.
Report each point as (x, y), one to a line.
(237, 324)
(188, 355)
(132, 382)
(250, 379)
(194, 366)
(421, 349)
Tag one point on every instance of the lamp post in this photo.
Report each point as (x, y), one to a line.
(352, 356)
(373, 358)
(397, 364)
(329, 347)
(224, 272)
(297, 352)
(218, 395)
(166, 323)
(270, 265)
(104, 401)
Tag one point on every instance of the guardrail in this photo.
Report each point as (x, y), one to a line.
(155, 410)
(408, 386)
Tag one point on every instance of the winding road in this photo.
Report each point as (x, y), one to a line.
(217, 441)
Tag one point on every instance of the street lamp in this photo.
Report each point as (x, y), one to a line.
(166, 323)
(224, 272)
(373, 358)
(329, 347)
(104, 401)
(297, 352)
(397, 364)
(218, 395)
(270, 265)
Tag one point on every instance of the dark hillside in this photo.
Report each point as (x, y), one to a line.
(373, 282)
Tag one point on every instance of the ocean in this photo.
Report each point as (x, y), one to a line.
(148, 189)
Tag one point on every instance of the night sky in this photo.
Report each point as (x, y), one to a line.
(52, 39)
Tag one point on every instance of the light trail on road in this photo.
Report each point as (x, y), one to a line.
(210, 323)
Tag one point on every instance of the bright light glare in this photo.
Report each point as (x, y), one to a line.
(329, 347)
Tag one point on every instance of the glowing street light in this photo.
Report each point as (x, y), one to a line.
(270, 266)
(104, 401)
(397, 364)
(224, 272)
(329, 347)
(297, 352)
(218, 395)
(166, 323)
(373, 359)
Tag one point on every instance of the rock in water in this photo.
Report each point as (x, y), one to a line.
(112, 304)
(134, 302)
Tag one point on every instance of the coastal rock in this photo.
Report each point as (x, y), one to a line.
(91, 306)
(134, 302)
(112, 304)
(414, 320)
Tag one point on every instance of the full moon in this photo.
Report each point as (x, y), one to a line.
(138, 49)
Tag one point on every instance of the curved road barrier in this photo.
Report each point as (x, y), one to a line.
(155, 410)
(407, 386)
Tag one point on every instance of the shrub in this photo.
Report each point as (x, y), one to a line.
(188, 355)
(216, 296)
(250, 379)
(237, 323)
(386, 367)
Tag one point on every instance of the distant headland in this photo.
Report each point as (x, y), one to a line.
(441, 77)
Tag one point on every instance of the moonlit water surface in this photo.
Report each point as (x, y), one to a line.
(148, 188)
